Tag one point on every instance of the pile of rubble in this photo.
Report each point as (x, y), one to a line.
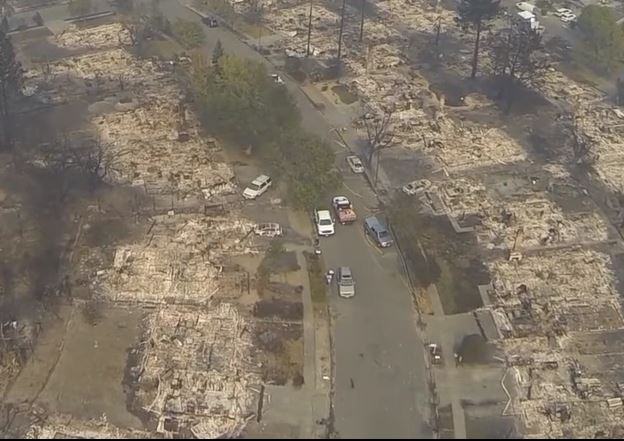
(157, 145)
(67, 427)
(550, 291)
(195, 372)
(603, 126)
(547, 307)
(179, 261)
(104, 72)
(101, 37)
(151, 138)
(519, 222)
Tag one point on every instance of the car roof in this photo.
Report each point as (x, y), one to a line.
(323, 214)
(260, 179)
(341, 199)
(372, 220)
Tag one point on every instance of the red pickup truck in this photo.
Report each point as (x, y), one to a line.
(344, 210)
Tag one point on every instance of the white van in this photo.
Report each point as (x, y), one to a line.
(257, 187)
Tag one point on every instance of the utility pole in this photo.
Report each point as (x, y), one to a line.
(309, 30)
(341, 29)
(362, 21)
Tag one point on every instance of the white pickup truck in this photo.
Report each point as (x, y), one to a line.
(344, 210)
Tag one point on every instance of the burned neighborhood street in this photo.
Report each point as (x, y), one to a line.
(311, 219)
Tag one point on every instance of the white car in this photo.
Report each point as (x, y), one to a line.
(346, 284)
(258, 186)
(568, 18)
(324, 222)
(525, 6)
(355, 164)
(277, 79)
(563, 11)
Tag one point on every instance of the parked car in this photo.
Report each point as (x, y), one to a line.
(562, 11)
(269, 229)
(435, 353)
(344, 210)
(258, 186)
(346, 284)
(568, 18)
(525, 6)
(277, 79)
(211, 22)
(355, 164)
(374, 228)
(324, 222)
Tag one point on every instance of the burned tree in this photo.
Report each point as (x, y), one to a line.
(518, 59)
(309, 31)
(582, 145)
(362, 20)
(85, 159)
(217, 53)
(94, 162)
(379, 135)
(342, 16)
(10, 85)
(476, 15)
(6, 8)
(142, 22)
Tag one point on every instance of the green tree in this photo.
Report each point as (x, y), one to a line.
(77, 8)
(476, 15)
(308, 165)
(241, 102)
(10, 84)
(189, 33)
(217, 53)
(602, 38)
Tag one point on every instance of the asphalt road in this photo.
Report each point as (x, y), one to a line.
(380, 388)
(379, 360)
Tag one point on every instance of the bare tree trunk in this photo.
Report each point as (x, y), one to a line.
(475, 55)
(362, 21)
(6, 120)
(309, 30)
(341, 30)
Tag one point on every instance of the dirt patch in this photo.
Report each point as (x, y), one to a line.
(85, 378)
(435, 253)
(316, 273)
(344, 94)
(280, 309)
(106, 232)
(276, 260)
(473, 349)
(282, 262)
(446, 429)
(285, 290)
(281, 355)
(483, 422)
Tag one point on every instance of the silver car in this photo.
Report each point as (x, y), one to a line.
(346, 284)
